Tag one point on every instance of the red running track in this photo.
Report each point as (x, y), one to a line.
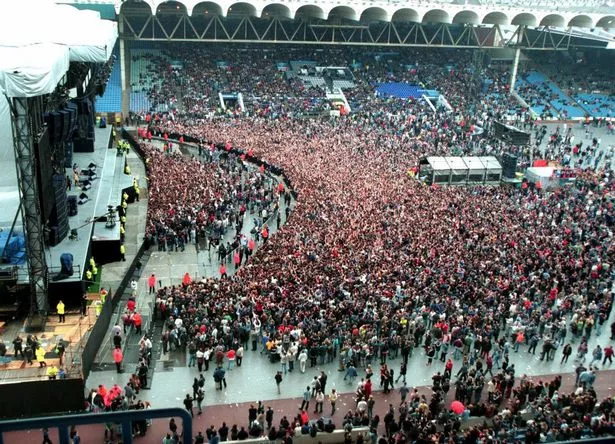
(238, 413)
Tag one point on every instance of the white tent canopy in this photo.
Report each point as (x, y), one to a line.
(460, 170)
(33, 70)
(38, 38)
(89, 38)
(474, 163)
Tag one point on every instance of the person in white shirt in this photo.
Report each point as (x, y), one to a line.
(239, 355)
(320, 399)
(200, 359)
(302, 360)
(362, 406)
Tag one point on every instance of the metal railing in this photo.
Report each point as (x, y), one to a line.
(63, 423)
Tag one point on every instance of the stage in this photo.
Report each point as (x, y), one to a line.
(106, 189)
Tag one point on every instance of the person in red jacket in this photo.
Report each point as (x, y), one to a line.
(117, 358)
(251, 246)
(223, 271)
(230, 357)
(448, 368)
(608, 354)
(367, 388)
(137, 322)
(187, 279)
(151, 282)
(236, 259)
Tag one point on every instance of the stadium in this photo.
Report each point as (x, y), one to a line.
(311, 221)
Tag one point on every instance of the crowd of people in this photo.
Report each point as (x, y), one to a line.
(372, 263)
(115, 399)
(184, 210)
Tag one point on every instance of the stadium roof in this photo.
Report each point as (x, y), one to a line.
(529, 13)
(39, 39)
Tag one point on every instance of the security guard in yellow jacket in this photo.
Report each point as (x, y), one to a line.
(60, 309)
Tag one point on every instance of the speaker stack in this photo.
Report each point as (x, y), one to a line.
(59, 217)
(510, 134)
(83, 141)
(68, 154)
(73, 207)
(509, 166)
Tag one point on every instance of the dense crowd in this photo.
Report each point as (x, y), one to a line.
(183, 209)
(371, 262)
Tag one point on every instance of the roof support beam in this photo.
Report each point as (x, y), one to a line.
(252, 30)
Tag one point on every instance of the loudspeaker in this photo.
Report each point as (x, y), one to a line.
(509, 166)
(54, 125)
(73, 208)
(59, 215)
(65, 124)
(58, 134)
(53, 236)
(83, 198)
(83, 145)
(72, 119)
(68, 154)
(510, 134)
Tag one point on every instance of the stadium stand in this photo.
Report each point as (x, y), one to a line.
(111, 101)
(545, 97)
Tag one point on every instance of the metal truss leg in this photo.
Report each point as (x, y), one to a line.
(23, 143)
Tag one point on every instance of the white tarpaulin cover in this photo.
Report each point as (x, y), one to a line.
(38, 38)
(474, 164)
(438, 163)
(464, 163)
(88, 38)
(31, 71)
(491, 163)
(456, 164)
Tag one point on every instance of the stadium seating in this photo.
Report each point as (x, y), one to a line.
(143, 78)
(541, 93)
(139, 102)
(401, 90)
(597, 105)
(111, 101)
